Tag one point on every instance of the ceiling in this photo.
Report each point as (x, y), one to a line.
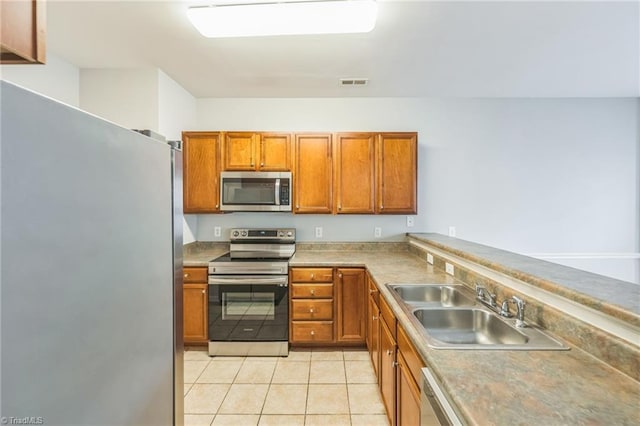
(418, 48)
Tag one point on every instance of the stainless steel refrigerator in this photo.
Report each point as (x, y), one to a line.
(91, 269)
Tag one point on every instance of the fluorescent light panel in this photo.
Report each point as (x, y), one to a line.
(265, 19)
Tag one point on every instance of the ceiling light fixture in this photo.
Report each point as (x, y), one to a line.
(285, 18)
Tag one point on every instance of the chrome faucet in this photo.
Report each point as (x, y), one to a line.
(520, 304)
(482, 294)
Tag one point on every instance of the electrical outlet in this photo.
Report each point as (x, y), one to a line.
(448, 268)
(217, 231)
(318, 231)
(452, 231)
(430, 258)
(410, 221)
(377, 232)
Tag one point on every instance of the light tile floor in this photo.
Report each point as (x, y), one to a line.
(309, 387)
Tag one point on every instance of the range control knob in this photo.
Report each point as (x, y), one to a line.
(289, 234)
(280, 234)
(236, 233)
(244, 233)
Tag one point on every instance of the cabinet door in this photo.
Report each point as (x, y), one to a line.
(22, 32)
(397, 175)
(351, 290)
(195, 312)
(239, 151)
(354, 168)
(200, 153)
(373, 334)
(387, 379)
(408, 398)
(275, 152)
(312, 190)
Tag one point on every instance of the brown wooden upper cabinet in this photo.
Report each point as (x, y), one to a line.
(22, 32)
(201, 171)
(257, 151)
(397, 155)
(354, 168)
(312, 175)
(375, 173)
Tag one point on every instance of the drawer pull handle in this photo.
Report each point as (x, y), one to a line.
(313, 291)
(312, 277)
(186, 275)
(311, 310)
(313, 332)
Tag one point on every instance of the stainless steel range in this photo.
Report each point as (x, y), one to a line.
(249, 294)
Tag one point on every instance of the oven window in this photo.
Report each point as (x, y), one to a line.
(248, 306)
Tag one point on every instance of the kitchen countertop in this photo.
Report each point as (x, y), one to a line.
(488, 387)
(620, 299)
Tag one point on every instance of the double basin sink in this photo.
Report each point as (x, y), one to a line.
(450, 318)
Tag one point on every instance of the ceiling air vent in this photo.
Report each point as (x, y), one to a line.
(354, 81)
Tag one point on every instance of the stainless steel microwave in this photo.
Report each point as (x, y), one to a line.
(255, 191)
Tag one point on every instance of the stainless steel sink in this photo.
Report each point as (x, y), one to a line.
(468, 326)
(478, 328)
(433, 294)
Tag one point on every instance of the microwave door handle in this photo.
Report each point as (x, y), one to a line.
(277, 189)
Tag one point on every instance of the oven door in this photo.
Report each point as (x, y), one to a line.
(248, 308)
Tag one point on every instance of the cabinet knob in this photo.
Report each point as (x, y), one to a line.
(186, 275)
(312, 276)
(261, 164)
(389, 352)
(381, 207)
(372, 291)
(339, 207)
(374, 318)
(203, 291)
(311, 310)
(313, 291)
(217, 205)
(340, 275)
(313, 332)
(394, 364)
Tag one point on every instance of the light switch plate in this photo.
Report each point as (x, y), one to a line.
(430, 258)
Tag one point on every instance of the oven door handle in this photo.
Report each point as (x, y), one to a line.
(279, 281)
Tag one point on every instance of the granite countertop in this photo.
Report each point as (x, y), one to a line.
(201, 253)
(500, 387)
(620, 299)
(488, 387)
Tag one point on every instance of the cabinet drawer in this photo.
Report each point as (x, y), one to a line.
(194, 275)
(410, 355)
(311, 291)
(312, 331)
(323, 275)
(387, 316)
(312, 309)
(373, 290)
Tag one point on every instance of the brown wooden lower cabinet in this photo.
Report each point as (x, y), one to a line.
(373, 326)
(195, 306)
(351, 289)
(408, 396)
(387, 378)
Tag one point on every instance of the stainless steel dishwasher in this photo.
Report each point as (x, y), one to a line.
(435, 408)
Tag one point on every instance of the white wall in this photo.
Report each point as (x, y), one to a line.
(128, 97)
(527, 175)
(57, 79)
(176, 112)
